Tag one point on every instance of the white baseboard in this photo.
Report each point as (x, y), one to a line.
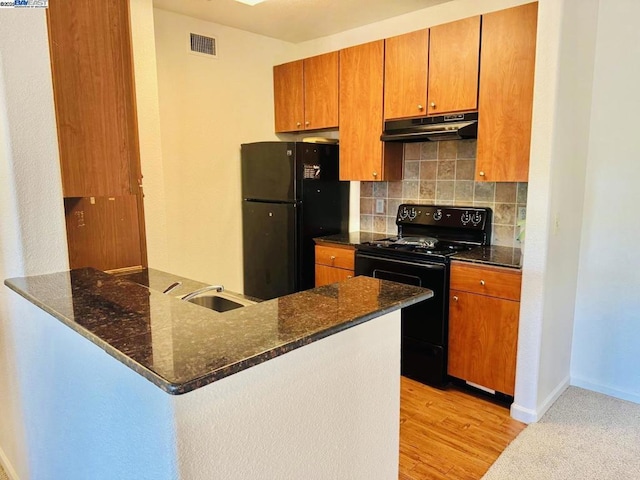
(612, 392)
(528, 415)
(6, 465)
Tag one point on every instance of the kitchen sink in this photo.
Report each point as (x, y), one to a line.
(220, 302)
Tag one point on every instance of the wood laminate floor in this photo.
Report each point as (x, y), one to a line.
(450, 434)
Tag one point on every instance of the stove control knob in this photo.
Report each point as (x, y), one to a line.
(465, 218)
(412, 214)
(477, 218)
(437, 215)
(404, 213)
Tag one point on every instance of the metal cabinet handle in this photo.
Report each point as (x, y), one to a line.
(482, 282)
(306, 123)
(433, 104)
(298, 124)
(333, 257)
(481, 174)
(455, 298)
(420, 107)
(375, 174)
(349, 276)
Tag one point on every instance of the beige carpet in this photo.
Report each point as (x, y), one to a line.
(584, 435)
(3, 474)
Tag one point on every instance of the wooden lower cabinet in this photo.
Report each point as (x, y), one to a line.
(483, 328)
(333, 263)
(104, 232)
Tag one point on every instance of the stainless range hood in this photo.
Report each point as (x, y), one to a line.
(444, 127)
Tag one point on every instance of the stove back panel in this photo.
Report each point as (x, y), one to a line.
(456, 224)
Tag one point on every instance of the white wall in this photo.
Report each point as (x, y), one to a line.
(148, 111)
(86, 415)
(208, 107)
(606, 352)
(32, 231)
(329, 410)
(564, 69)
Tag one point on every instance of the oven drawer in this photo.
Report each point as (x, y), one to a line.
(340, 257)
(486, 280)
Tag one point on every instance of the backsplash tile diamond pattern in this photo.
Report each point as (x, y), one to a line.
(443, 173)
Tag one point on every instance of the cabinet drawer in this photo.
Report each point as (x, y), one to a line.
(326, 275)
(341, 257)
(486, 280)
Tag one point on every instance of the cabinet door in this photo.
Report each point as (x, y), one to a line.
(288, 88)
(326, 275)
(362, 154)
(321, 91)
(506, 94)
(93, 88)
(454, 54)
(483, 336)
(405, 75)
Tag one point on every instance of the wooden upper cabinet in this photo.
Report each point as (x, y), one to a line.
(362, 154)
(507, 65)
(91, 63)
(321, 91)
(454, 54)
(433, 71)
(288, 92)
(306, 93)
(405, 75)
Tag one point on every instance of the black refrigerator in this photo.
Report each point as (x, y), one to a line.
(291, 194)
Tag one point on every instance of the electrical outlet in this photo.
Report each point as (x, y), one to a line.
(522, 213)
(379, 205)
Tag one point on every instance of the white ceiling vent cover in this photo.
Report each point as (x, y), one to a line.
(203, 45)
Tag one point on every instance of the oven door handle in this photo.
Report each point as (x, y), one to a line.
(429, 266)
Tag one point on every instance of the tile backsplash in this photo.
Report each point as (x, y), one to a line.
(442, 173)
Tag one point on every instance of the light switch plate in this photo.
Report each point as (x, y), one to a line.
(379, 205)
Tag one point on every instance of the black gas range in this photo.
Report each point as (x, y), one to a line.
(428, 236)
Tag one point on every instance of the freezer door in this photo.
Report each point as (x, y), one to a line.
(269, 171)
(270, 249)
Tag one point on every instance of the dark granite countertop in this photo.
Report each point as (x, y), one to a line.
(492, 255)
(160, 281)
(180, 346)
(351, 238)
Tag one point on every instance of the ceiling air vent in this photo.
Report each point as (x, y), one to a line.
(203, 45)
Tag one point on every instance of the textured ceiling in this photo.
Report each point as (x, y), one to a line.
(295, 20)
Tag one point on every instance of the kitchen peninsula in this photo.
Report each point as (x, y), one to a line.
(302, 386)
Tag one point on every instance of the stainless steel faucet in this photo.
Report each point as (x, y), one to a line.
(217, 288)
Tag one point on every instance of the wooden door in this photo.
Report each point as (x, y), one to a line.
(93, 84)
(405, 75)
(483, 336)
(362, 154)
(507, 62)
(321, 91)
(288, 88)
(454, 56)
(103, 232)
